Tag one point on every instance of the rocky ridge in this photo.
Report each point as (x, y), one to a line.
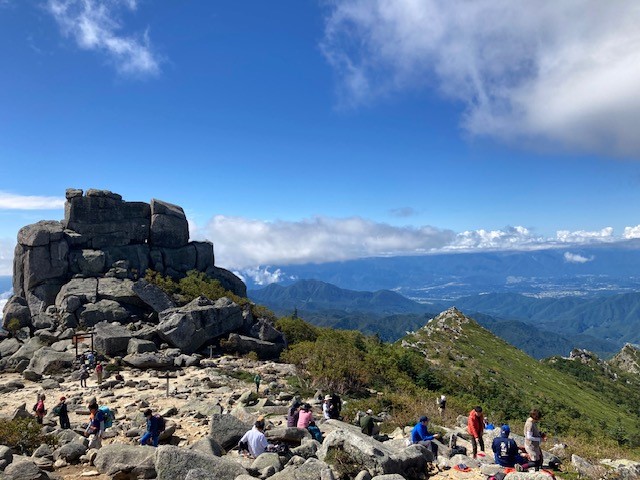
(85, 273)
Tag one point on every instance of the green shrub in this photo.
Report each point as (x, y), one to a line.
(23, 434)
(13, 325)
(296, 330)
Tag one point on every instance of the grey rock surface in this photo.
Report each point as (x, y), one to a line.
(173, 462)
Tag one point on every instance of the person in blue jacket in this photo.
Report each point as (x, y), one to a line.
(420, 435)
(153, 429)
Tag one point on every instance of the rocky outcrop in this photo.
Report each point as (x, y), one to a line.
(98, 252)
(627, 359)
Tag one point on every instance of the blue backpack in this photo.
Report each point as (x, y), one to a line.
(108, 414)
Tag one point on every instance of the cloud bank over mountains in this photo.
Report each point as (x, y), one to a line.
(242, 243)
(565, 73)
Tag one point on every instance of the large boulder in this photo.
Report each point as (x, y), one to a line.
(243, 345)
(310, 470)
(200, 321)
(148, 360)
(84, 290)
(208, 446)
(111, 339)
(138, 345)
(46, 361)
(135, 461)
(25, 470)
(9, 346)
(356, 448)
(102, 219)
(174, 462)
(152, 295)
(287, 434)
(169, 227)
(102, 311)
(17, 308)
(87, 262)
(119, 290)
(227, 430)
(586, 469)
(6, 456)
(228, 280)
(70, 452)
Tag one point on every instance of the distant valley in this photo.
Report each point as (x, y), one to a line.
(539, 326)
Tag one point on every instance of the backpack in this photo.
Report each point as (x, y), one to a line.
(161, 423)
(56, 409)
(109, 416)
(457, 450)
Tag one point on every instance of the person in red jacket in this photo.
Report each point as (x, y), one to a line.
(475, 427)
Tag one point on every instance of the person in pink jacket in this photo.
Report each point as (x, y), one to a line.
(305, 417)
(475, 427)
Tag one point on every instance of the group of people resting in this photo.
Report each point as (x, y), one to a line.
(506, 451)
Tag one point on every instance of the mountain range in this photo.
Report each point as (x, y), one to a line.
(557, 272)
(539, 326)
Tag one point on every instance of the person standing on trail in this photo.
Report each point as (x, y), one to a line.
(99, 370)
(39, 408)
(532, 439)
(257, 380)
(441, 401)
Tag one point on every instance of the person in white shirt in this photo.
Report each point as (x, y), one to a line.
(327, 407)
(254, 440)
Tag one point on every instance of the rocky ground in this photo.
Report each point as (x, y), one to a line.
(197, 395)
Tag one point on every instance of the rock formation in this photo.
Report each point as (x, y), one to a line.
(87, 270)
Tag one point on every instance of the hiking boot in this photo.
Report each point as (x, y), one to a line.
(518, 467)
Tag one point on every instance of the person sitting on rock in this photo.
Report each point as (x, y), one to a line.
(368, 424)
(305, 416)
(293, 413)
(153, 429)
(420, 435)
(505, 450)
(254, 440)
(315, 432)
(327, 408)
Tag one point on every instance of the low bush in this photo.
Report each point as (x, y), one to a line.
(23, 434)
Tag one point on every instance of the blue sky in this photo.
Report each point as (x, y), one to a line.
(320, 130)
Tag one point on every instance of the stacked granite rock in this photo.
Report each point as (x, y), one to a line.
(87, 272)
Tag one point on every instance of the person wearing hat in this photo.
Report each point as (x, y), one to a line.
(505, 451)
(420, 435)
(305, 417)
(63, 413)
(327, 408)
(368, 423)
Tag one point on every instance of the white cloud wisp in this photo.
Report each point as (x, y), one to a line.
(561, 72)
(95, 26)
(11, 201)
(577, 258)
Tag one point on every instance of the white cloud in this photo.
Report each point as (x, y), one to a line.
(241, 243)
(583, 236)
(510, 237)
(11, 201)
(565, 72)
(577, 258)
(632, 232)
(262, 275)
(94, 24)
(6, 256)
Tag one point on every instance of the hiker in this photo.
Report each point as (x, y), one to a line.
(254, 440)
(315, 432)
(327, 408)
(305, 417)
(99, 370)
(532, 439)
(257, 380)
(441, 401)
(63, 413)
(420, 435)
(39, 408)
(292, 414)
(475, 427)
(91, 358)
(95, 429)
(154, 428)
(368, 424)
(505, 450)
(337, 406)
(84, 374)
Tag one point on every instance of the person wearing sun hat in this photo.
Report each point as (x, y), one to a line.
(327, 408)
